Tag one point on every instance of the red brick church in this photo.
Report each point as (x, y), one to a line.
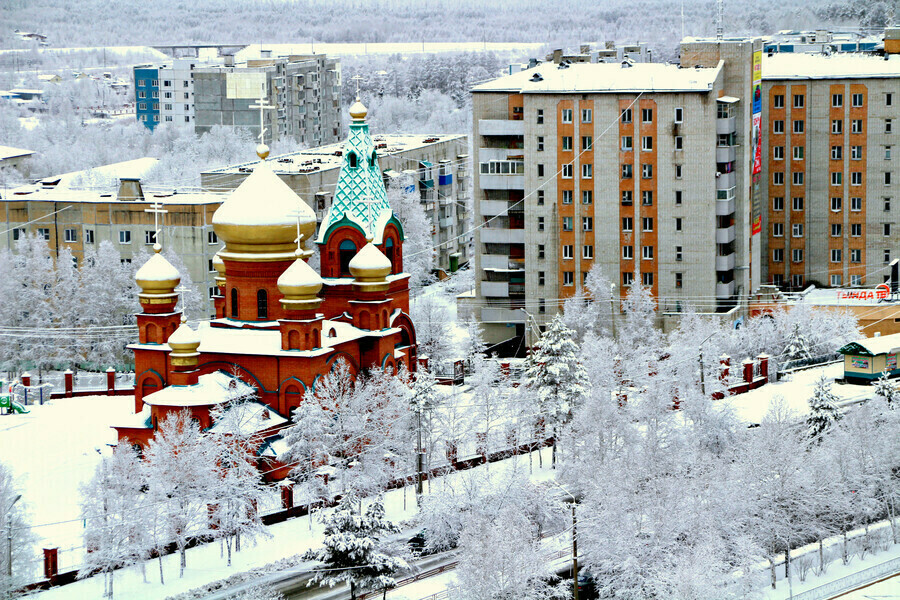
(279, 325)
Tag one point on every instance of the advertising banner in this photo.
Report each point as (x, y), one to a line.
(757, 112)
(859, 363)
(757, 225)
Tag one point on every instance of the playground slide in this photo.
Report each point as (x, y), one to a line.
(17, 408)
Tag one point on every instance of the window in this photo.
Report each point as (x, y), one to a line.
(797, 230)
(886, 229)
(646, 143)
(567, 252)
(778, 279)
(888, 99)
(142, 106)
(186, 97)
(837, 100)
(234, 303)
(887, 205)
(679, 142)
(855, 204)
(646, 115)
(167, 106)
(887, 153)
(627, 278)
(799, 126)
(887, 255)
(887, 178)
(797, 255)
(587, 171)
(778, 255)
(88, 236)
(567, 115)
(567, 170)
(628, 252)
(778, 178)
(855, 257)
(567, 196)
(167, 83)
(855, 229)
(124, 237)
(540, 223)
(185, 84)
(778, 203)
(210, 267)
(856, 152)
(679, 222)
(777, 229)
(156, 106)
(540, 143)
(677, 197)
(797, 203)
(566, 143)
(142, 95)
(156, 118)
(71, 235)
(627, 196)
(647, 171)
(542, 308)
(540, 170)
(567, 223)
(835, 280)
(211, 237)
(647, 279)
(540, 197)
(149, 237)
(262, 305)
(677, 171)
(837, 152)
(799, 100)
(836, 202)
(154, 95)
(187, 119)
(647, 224)
(568, 278)
(587, 223)
(541, 250)
(626, 171)
(587, 115)
(587, 252)
(797, 178)
(778, 152)
(626, 115)
(798, 152)
(124, 261)
(627, 224)
(540, 116)
(837, 178)
(679, 254)
(679, 115)
(141, 83)
(856, 178)
(778, 101)
(797, 281)
(627, 144)
(541, 278)
(678, 280)
(835, 255)
(155, 83)
(587, 197)
(647, 198)
(856, 126)
(587, 142)
(647, 252)
(212, 292)
(857, 100)
(837, 126)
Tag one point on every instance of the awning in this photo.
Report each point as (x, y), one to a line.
(728, 99)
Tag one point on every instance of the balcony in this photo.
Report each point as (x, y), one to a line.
(723, 236)
(725, 154)
(493, 208)
(724, 207)
(502, 182)
(725, 290)
(446, 222)
(725, 181)
(496, 235)
(495, 261)
(724, 126)
(501, 127)
(495, 289)
(501, 315)
(725, 263)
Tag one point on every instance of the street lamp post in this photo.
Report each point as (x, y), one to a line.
(9, 571)
(574, 540)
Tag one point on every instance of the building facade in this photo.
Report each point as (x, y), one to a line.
(146, 95)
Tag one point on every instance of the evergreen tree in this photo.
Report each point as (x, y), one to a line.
(355, 550)
(798, 347)
(823, 412)
(884, 388)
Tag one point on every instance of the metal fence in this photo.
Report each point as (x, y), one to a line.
(850, 582)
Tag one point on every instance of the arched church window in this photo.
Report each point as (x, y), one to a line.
(347, 251)
(352, 160)
(234, 303)
(262, 305)
(389, 252)
(374, 156)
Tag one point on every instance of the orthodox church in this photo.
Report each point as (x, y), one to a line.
(279, 325)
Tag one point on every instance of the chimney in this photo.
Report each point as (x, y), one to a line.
(130, 189)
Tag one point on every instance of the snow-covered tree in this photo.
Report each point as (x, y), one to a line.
(591, 314)
(307, 441)
(22, 537)
(885, 389)
(355, 550)
(823, 410)
(259, 592)
(798, 347)
(555, 377)
(418, 253)
(429, 313)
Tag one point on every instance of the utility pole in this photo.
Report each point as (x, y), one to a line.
(420, 456)
(574, 551)
(702, 380)
(612, 308)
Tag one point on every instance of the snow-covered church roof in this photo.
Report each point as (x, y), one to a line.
(211, 389)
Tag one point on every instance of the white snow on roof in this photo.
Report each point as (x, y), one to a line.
(157, 268)
(263, 199)
(10, 152)
(883, 344)
(370, 258)
(247, 418)
(139, 420)
(788, 65)
(213, 388)
(136, 168)
(184, 335)
(606, 77)
(275, 447)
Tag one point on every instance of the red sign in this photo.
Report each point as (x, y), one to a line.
(880, 292)
(757, 225)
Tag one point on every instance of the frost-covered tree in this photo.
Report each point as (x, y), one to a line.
(355, 550)
(259, 592)
(418, 252)
(823, 412)
(307, 444)
(23, 539)
(433, 327)
(885, 389)
(555, 377)
(798, 347)
(591, 314)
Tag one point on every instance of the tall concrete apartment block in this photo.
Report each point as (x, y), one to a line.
(830, 168)
(638, 169)
(305, 91)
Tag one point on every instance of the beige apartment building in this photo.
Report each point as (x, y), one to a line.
(642, 170)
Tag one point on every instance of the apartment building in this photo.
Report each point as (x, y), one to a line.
(436, 167)
(642, 170)
(831, 169)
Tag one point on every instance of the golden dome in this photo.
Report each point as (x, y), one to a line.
(358, 111)
(258, 222)
(218, 264)
(157, 276)
(184, 340)
(370, 265)
(300, 284)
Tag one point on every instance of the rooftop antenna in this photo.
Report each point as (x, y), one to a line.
(720, 13)
(157, 209)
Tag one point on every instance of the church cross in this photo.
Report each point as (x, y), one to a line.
(182, 290)
(368, 200)
(357, 79)
(297, 213)
(157, 209)
(262, 105)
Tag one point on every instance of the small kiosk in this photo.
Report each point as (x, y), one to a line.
(865, 359)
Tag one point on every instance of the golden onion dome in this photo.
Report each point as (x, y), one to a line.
(218, 264)
(259, 220)
(184, 340)
(300, 281)
(358, 111)
(157, 275)
(370, 265)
